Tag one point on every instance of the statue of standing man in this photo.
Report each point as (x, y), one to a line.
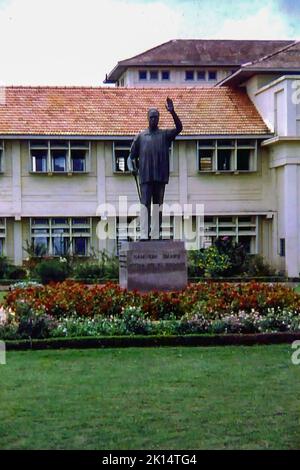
(149, 156)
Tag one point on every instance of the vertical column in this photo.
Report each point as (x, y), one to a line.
(183, 186)
(16, 179)
(17, 201)
(101, 187)
(18, 252)
(291, 218)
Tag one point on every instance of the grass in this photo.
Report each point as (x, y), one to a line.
(160, 398)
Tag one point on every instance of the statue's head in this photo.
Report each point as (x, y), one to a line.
(153, 118)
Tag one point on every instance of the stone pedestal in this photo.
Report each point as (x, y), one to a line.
(153, 265)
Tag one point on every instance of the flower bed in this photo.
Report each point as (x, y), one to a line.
(70, 309)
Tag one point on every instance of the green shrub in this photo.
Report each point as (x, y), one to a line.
(106, 267)
(209, 262)
(256, 266)
(235, 252)
(16, 272)
(3, 267)
(52, 270)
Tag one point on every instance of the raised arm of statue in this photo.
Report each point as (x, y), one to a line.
(170, 109)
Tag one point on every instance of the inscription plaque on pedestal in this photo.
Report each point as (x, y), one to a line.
(153, 265)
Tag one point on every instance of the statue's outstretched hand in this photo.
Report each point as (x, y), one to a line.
(169, 105)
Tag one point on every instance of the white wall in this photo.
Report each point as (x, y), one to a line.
(177, 78)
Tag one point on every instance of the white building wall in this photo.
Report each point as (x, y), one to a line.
(35, 195)
(130, 78)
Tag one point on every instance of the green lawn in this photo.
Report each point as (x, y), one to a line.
(160, 398)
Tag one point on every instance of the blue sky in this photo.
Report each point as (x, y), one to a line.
(75, 42)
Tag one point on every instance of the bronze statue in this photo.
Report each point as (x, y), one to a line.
(149, 156)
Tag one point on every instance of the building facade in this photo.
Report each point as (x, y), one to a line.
(63, 166)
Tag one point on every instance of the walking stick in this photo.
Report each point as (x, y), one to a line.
(134, 173)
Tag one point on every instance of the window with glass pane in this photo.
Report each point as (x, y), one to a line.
(121, 154)
(60, 221)
(1, 246)
(201, 75)
(39, 159)
(59, 160)
(41, 244)
(212, 75)
(206, 159)
(80, 246)
(224, 159)
(165, 75)
(246, 242)
(142, 74)
(243, 159)
(80, 221)
(189, 75)
(60, 245)
(78, 160)
(40, 221)
(153, 74)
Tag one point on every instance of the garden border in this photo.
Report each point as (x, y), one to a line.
(152, 341)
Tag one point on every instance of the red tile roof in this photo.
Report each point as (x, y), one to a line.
(123, 111)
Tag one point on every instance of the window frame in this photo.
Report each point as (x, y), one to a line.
(162, 75)
(156, 72)
(201, 72)
(212, 79)
(50, 235)
(139, 74)
(236, 229)
(68, 147)
(189, 79)
(114, 160)
(3, 233)
(235, 147)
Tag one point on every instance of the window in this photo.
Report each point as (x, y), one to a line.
(246, 155)
(241, 229)
(59, 156)
(225, 155)
(121, 151)
(282, 247)
(142, 74)
(165, 75)
(2, 235)
(1, 155)
(61, 235)
(153, 74)
(79, 151)
(224, 160)
(189, 75)
(201, 75)
(212, 75)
